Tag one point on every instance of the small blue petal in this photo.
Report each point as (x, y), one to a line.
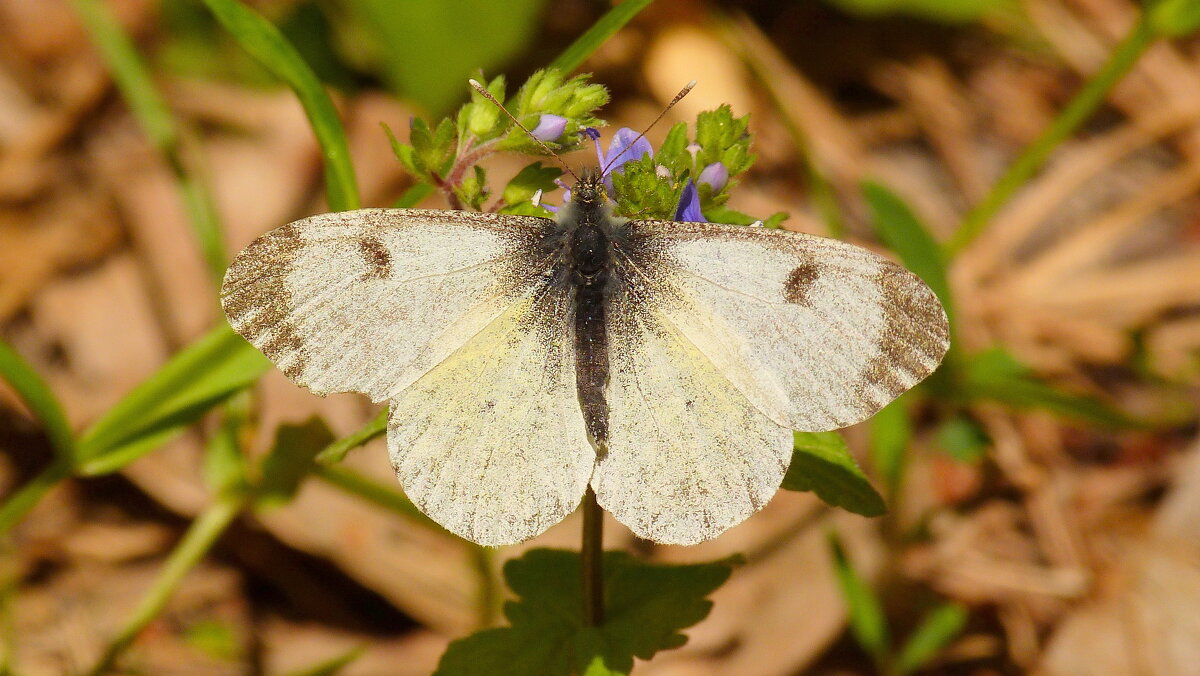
(550, 127)
(625, 147)
(716, 175)
(688, 210)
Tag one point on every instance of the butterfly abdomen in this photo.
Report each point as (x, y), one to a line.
(589, 258)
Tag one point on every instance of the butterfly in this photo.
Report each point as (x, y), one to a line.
(524, 359)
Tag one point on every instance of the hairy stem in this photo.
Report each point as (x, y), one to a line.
(592, 553)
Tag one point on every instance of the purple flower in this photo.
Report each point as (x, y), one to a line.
(626, 146)
(716, 175)
(550, 127)
(688, 210)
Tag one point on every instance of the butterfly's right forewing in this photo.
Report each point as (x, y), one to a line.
(369, 300)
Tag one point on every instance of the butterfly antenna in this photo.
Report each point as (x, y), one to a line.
(488, 95)
(678, 97)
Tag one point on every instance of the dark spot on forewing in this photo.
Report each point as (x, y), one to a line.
(799, 281)
(379, 261)
(914, 336)
(257, 301)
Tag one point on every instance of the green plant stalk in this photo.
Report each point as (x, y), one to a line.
(1080, 108)
(602, 30)
(488, 598)
(592, 556)
(18, 505)
(199, 539)
(336, 452)
(137, 87)
(389, 498)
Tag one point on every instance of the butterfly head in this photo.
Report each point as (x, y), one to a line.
(589, 189)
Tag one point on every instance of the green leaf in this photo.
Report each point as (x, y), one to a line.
(428, 48)
(291, 458)
(646, 606)
(195, 380)
(224, 467)
(32, 390)
(640, 190)
(724, 214)
(937, 630)
(948, 11)
(264, 42)
(995, 374)
(867, 622)
(547, 92)
(821, 463)
(215, 638)
(601, 31)
(962, 439)
(333, 665)
(891, 431)
(413, 196)
(723, 138)
(473, 189)
(898, 227)
(528, 181)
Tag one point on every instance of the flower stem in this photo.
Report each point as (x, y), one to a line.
(1080, 108)
(592, 554)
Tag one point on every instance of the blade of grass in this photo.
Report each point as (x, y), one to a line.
(935, 632)
(1076, 112)
(19, 503)
(867, 622)
(602, 30)
(38, 397)
(194, 381)
(199, 539)
(266, 43)
(133, 80)
(41, 401)
(900, 229)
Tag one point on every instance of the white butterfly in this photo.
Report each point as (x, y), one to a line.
(662, 363)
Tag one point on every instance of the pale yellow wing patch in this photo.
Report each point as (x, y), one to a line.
(369, 300)
(491, 443)
(817, 333)
(688, 455)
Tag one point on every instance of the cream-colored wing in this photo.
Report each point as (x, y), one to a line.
(491, 443)
(369, 300)
(817, 333)
(688, 455)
